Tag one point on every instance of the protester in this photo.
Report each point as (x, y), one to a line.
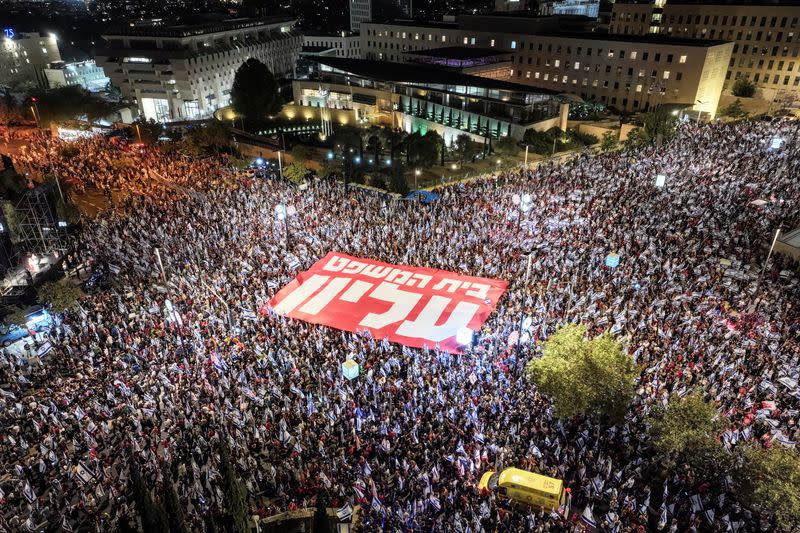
(128, 380)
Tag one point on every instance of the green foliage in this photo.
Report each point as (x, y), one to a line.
(15, 315)
(581, 138)
(584, 376)
(146, 131)
(331, 167)
(234, 491)
(743, 88)
(465, 148)
(506, 146)
(423, 150)
(207, 139)
(172, 504)
(658, 126)
(302, 153)
(377, 180)
(70, 103)
(151, 514)
(770, 479)
(296, 172)
(687, 431)
(397, 181)
(610, 141)
(543, 142)
(61, 296)
(255, 92)
(67, 211)
(346, 137)
(735, 110)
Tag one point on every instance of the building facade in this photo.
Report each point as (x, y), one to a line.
(360, 11)
(345, 45)
(23, 58)
(765, 35)
(186, 72)
(84, 73)
(421, 98)
(585, 8)
(626, 73)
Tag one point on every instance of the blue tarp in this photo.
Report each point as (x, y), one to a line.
(426, 197)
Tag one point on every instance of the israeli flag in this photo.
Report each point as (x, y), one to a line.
(294, 263)
(376, 505)
(588, 517)
(434, 502)
(345, 512)
(479, 437)
(28, 492)
(83, 473)
(248, 314)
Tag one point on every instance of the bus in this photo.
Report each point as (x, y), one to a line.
(525, 487)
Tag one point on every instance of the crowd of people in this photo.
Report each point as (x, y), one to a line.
(113, 164)
(169, 366)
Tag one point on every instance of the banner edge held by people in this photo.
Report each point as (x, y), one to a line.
(412, 306)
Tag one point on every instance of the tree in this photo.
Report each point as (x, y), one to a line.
(770, 480)
(61, 296)
(687, 431)
(584, 376)
(743, 88)
(255, 93)
(296, 172)
(610, 141)
(16, 316)
(322, 522)
(302, 153)
(152, 515)
(172, 504)
(212, 137)
(658, 126)
(397, 181)
(506, 146)
(734, 110)
(234, 491)
(464, 147)
(423, 150)
(146, 131)
(69, 103)
(374, 145)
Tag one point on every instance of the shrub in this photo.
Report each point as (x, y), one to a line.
(743, 88)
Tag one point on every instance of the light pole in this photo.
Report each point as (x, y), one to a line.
(417, 172)
(526, 156)
(524, 203)
(521, 310)
(282, 214)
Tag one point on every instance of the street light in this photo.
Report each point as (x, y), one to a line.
(417, 172)
(282, 215)
(330, 155)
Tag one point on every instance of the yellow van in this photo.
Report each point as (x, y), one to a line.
(525, 487)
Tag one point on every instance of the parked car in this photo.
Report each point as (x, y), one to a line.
(37, 319)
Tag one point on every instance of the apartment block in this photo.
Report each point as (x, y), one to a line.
(24, 56)
(186, 71)
(628, 73)
(764, 33)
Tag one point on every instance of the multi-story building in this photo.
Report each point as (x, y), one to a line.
(424, 97)
(24, 56)
(342, 45)
(625, 72)
(764, 32)
(360, 11)
(84, 73)
(586, 8)
(186, 71)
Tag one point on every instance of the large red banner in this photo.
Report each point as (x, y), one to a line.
(413, 306)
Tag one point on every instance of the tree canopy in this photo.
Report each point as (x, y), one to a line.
(69, 103)
(658, 126)
(770, 479)
(687, 431)
(584, 376)
(62, 296)
(743, 88)
(255, 92)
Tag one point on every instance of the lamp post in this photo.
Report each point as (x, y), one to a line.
(282, 215)
(417, 172)
(521, 310)
(524, 204)
(526, 156)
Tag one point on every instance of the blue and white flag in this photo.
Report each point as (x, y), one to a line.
(218, 363)
(588, 517)
(249, 314)
(344, 512)
(376, 505)
(294, 263)
(479, 437)
(28, 492)
(83, 473)
(434, 502)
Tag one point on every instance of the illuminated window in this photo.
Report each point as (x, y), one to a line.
(491, 43)
(666, 74)
(682, 59)
(557, 63)
(513, 45)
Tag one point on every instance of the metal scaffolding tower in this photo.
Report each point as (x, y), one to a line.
(38, 230)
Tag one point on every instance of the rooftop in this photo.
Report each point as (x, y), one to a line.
(422, 75)
(459, 52)
(654, 38)
(188, 30)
